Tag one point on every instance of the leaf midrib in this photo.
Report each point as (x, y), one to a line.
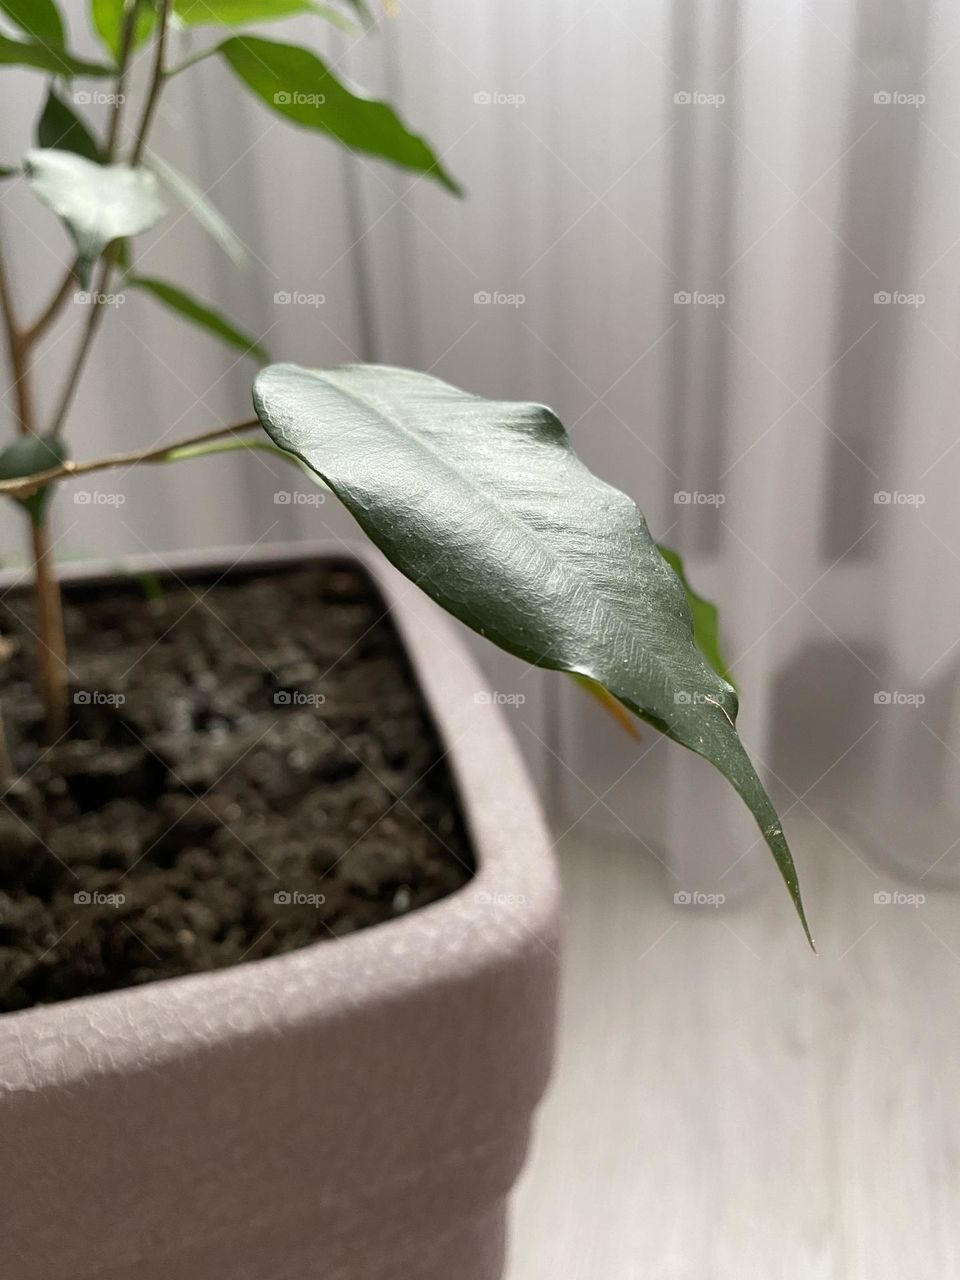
(530, 533)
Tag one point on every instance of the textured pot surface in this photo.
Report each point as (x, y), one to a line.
(355, 1110)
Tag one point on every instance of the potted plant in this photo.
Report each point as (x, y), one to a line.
(191, 1071)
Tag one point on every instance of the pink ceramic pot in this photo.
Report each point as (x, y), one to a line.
(355, 1110)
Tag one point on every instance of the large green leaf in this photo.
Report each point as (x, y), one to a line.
(59, 126)
(298, 85)
(200, 314)
(28, 456)
(236, 13)
(97, 202)
(706, 620)
(106, 17)
(485, 506)
(43, 57)
(40, 19)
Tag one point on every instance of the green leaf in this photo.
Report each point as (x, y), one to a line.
(236, 13)
(485, 506)
(27, 457)
(106, 18)
(98, 203)
(7, 171)
(42, 57)
(196, 203)
(200, 314)
(40, 19)
(706, 621)
(298, 85)
(59, 126)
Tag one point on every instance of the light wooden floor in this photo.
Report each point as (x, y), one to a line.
(729, 1107)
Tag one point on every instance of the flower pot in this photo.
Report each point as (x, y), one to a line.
(353, 1110)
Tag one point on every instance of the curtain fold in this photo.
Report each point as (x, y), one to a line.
(730, 237)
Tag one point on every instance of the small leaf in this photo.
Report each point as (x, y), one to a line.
(485, 506)
(196, 203)
(27, 457)
(40, 19)
(706, 621)
(98, 203)
(200, 314)
(106, 17)
(59, 126)
(298, 85)
(31, 53)
(7, 171)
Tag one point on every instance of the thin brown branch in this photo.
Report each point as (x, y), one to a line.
(157, 77)
(17, 351)
(52, 652)
(52, 655)
(120, 96)
(55, 305)
(95, 318)
(27, 485)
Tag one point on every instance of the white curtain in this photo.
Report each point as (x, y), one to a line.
(787, 165)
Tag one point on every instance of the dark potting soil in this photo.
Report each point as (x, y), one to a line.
(249, 769)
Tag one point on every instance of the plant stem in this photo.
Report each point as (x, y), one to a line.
(192, 447)
(52, 641)
(86, 342)
(52, 309)
(123, 65)
(52, 651)
(156, 82)
(18, 353)
(95, 318)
